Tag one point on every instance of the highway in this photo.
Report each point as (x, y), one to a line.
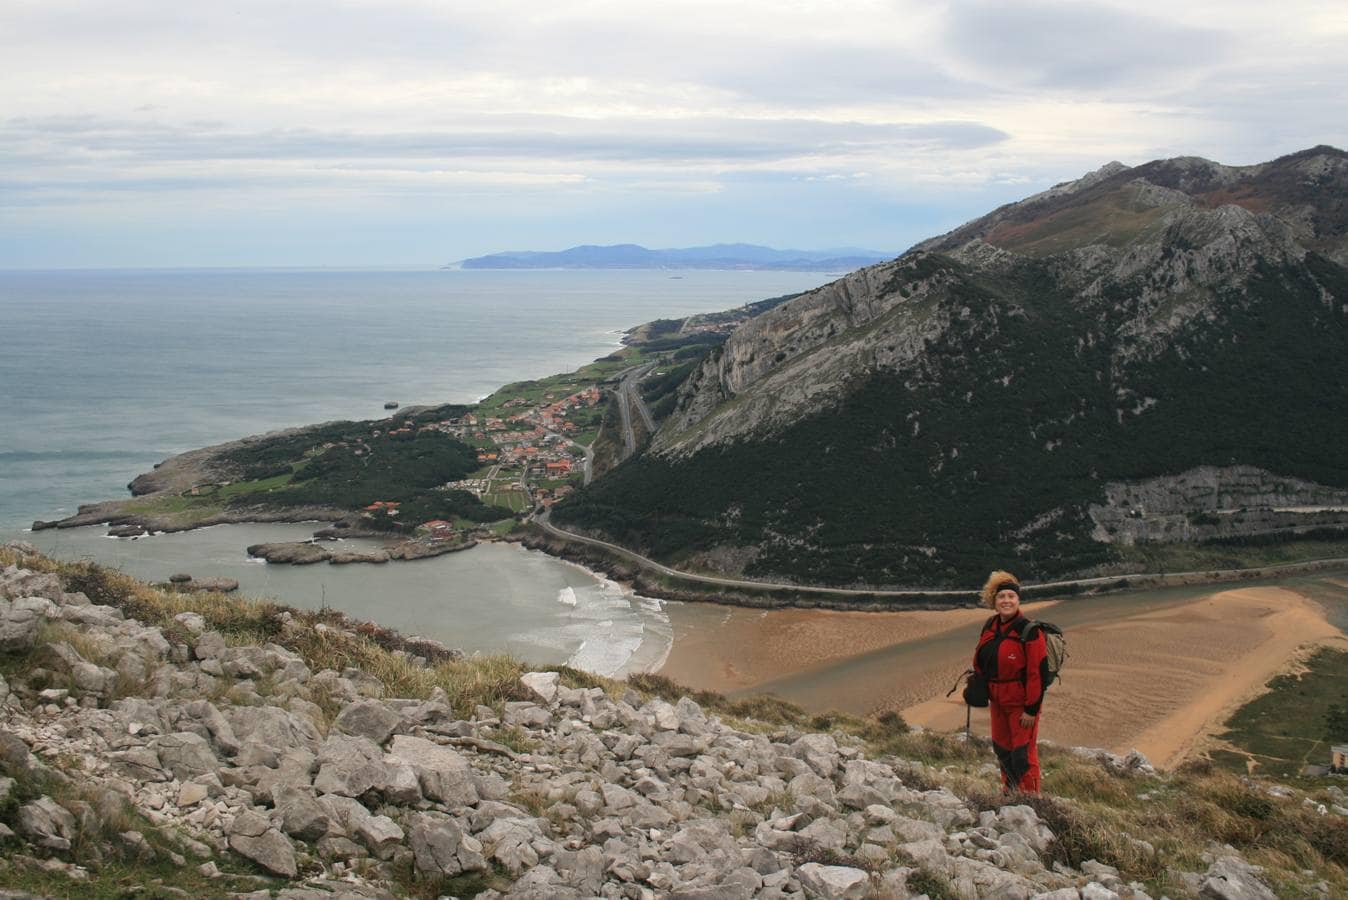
(1209, 575)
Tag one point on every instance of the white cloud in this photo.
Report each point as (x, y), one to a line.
(622, 105)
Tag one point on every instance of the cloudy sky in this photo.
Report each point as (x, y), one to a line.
(396, 132)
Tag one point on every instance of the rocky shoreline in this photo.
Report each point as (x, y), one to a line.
(113, 513)
(233, 753)
(304, 553)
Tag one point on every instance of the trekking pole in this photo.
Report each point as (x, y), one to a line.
(968, 710)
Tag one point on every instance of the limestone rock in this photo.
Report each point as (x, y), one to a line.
(252, 836)
(302, 816)
(191, 793)
(1231, 878)
(833, 882)
(19, 625)
(443, 772)
(542, 684)
(819, 752)
(368, 718)
(185, 754)
(46, 823)
(441, 849)
(379, 833)
(350, 766)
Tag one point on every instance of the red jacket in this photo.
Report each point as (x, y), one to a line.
(1015, 671)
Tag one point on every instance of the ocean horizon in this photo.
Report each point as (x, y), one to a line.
(108, 372)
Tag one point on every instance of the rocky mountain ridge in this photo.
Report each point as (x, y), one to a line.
(1137, 323)
(716, 256)
(244, 767)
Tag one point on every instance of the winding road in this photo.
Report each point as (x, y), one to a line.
(648, 563)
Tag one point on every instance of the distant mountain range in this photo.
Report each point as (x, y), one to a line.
(1146, 356)
(716, 256)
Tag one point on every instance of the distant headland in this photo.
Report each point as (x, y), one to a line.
(716, 256)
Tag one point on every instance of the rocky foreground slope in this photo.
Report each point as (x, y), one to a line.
(183, 760)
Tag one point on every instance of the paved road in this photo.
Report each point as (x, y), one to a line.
(625, 413)
(647, 563)
(629, 398)
(635, 396)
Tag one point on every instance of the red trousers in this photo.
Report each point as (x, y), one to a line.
(1017, 748)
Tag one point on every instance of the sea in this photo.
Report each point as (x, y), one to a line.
(104, 373)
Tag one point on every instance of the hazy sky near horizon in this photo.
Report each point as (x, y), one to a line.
(396, 132)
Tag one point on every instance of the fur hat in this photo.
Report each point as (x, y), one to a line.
(997, 581)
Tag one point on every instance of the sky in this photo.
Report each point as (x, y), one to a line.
(419, 132)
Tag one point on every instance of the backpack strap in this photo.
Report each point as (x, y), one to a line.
(1026, 632)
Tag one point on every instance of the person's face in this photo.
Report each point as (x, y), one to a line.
(1008, 603)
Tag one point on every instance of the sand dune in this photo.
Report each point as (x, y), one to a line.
(1160, 675)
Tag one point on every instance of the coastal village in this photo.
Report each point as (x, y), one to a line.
(529, 456)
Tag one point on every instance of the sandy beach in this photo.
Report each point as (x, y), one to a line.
(1156, 670)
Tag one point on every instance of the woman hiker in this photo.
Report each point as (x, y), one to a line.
(1015, 670)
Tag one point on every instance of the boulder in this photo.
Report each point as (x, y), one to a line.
(542, 684)
(1024, 821)
(527, 715)
(814, 786)
(380, 834)
(510, 841)
(193, 622)
(18, 625)
(403, 787)
(46, 823)
(665, 716)
(252, 836)
(1232, 878)
(368, 719)
(443, 773)
(271, 726)
(441, 849)
(191, 793)
(14, 754)
(929, 854)
(140, 763)
(211, 585)
(302, 816)
(350, 766)
(210, 645)
(826, 833)
(97, 616)
(833, 882)
(819, 752)
(204, 718)
(185, 754)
